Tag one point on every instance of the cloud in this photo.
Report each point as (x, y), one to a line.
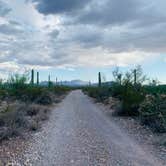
(109, 12)
(4, 9)
(89, 33)
(9, 29)
(9, 66)
(112, 24)
(117, 12)
(59, 7)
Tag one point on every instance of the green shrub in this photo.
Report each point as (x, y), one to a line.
(46, 98)
(60, 90)
(129, 90)
(131, 98)
(3, 94)
(153, 112)
(158, 89)
(100, 93)
(31, 93)
(116, 90)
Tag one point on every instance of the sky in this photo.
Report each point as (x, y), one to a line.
(75, 39)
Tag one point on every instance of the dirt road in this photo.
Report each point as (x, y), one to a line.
(79, 134)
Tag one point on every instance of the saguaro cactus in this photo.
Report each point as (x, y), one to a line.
(32, 77)
(56, 81)
(89, 83)
(37, 78)
(99, 79)
(135, 77)
(120, 78)
(49, 80)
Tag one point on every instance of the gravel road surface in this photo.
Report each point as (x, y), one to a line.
(79, 134)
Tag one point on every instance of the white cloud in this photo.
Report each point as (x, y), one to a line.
(9, 66)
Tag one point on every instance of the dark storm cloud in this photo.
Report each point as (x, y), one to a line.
(112, 24)
(105, 12)
(59, 6)
(109, 12)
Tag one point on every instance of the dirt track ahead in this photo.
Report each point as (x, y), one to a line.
(79, 134)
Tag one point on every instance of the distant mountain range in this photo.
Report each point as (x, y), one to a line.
(76, 83)
(72, 83)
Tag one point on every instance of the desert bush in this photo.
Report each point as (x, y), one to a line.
(3, 94)
(99, 93)
(32, 110)
(115, 104)
(116, 90)
(12, 120)
(13, 116)
(29, 110)
(17, 81)
(129, 90)
(19, 117)
(30, 93)
(15, 84)
(45, 98)
(4, 133)
(153, 112)
(37, 111)
(60, 90)
(131, 98)
(37, 94)
(34, 125)
(18, 87)
(43, 114)
(158, 89)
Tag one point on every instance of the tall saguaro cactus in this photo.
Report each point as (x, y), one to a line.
(135, 77)
(120, 79)
(32, 77)
(37, 78)
(49, 80)
(56, 81)
(99, 79)
(89, 83)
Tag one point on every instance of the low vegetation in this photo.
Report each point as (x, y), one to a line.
(153, 112)
(129, 95)
(23, 105)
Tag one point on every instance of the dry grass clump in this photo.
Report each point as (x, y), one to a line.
(18, 117)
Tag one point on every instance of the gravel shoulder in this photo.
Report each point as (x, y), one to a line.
(150, 141)
(80, 134)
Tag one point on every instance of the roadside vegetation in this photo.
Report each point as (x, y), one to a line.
(24, 104)
(130, 95)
